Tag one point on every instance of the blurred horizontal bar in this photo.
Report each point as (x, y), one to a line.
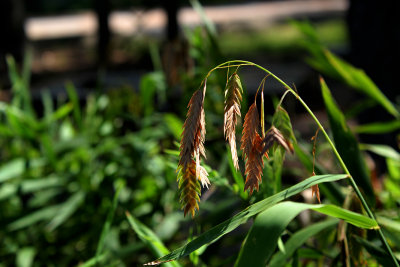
(153, 21)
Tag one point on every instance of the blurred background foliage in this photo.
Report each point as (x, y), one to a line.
(74, 162)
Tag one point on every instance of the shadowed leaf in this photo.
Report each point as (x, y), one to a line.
(347, 145)
(298, 239)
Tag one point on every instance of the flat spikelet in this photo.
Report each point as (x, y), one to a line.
(233, 97)
(192, 141)
(250, 129)
(190, 189)
(190, 172)
(275, 136)
(252, 149)
(254, 165)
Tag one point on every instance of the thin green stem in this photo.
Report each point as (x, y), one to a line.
(342, 164)
(281, 100)
(262, 115)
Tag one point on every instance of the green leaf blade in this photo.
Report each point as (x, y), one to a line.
(262, 238)
(229, 225)
(298, 239)
(108, 222)
(353, 218)
(150, 239)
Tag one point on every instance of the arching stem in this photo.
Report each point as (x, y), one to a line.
(339, 158)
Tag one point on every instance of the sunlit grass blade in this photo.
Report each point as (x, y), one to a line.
(25, 256)
(45, 213)
(298, 239)
(231, 224)
(262, 239)
(378, 127)
(12, 169)
(109, 219)
(35, 185)
(353, 218)
(60, 113)
(174, 124)
(347, 144)
(389, 223)
(382, 150)
(150, 239)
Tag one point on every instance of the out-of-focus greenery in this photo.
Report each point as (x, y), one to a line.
(280, 39)
(61, 170)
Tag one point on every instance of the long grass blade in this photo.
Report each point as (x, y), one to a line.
(109, 219)
(262, 238)
(150, 239)
(378, 127)
(231, 224)
(382, 150)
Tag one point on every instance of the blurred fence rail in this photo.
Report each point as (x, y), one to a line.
(153, 21)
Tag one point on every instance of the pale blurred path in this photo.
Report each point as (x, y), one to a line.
(153, 21)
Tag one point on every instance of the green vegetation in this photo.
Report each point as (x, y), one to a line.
(93, 182)
(281, 39)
